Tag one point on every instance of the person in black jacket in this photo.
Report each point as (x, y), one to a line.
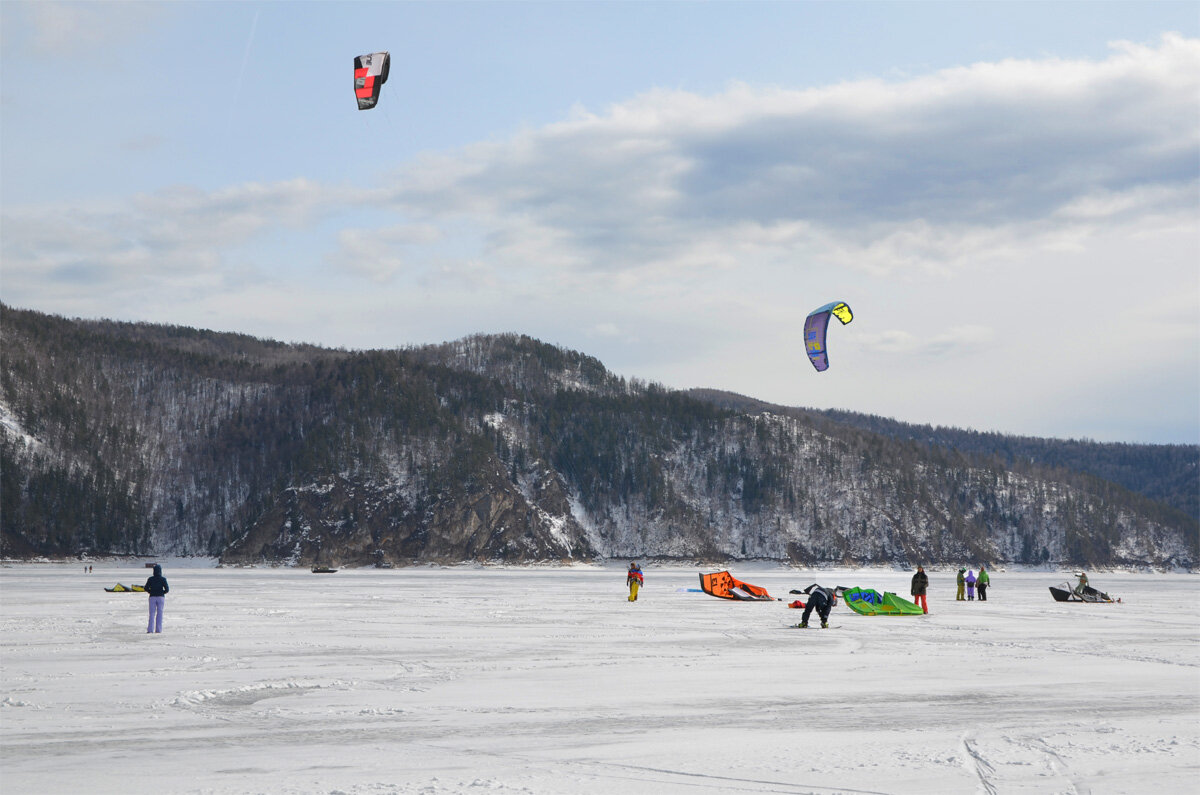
(822, 600)
(157, 587)
(920, 584)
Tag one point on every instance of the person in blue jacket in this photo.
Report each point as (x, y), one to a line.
(157, 587)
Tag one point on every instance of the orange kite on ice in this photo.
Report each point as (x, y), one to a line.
(723, 585)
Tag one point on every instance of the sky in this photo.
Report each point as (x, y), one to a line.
(1006, 194)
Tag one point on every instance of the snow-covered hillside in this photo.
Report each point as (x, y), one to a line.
(128, 438)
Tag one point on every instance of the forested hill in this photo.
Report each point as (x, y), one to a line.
(1169, 474)
(135, 438)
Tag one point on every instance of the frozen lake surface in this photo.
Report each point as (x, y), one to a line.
(546, 680)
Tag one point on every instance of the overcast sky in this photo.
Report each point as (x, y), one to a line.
(1007, 194)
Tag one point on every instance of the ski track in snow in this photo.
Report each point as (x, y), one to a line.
(546, 681)
(980, 766)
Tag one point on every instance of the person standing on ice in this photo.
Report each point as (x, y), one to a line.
(634, 580)
(1082, 582)
(157, 587)
(962, 586)
(982, 582)
(822, 600)
(970, 578)
(920, 584)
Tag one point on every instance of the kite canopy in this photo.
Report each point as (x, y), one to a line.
(869, 602)
(723, 585)
(815, 326)
(1065, 593)
(119, 588)
(370, 73)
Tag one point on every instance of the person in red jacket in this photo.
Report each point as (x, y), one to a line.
(634, 580)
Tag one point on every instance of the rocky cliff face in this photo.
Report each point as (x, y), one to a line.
(347, 522)
(120, 438)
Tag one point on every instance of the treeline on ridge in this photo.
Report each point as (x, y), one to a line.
(141, 438)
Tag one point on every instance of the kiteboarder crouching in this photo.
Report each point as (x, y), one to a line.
(823, 600)
(634, 580)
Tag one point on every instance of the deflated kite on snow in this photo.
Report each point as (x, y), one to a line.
(370, 73)
(723, 585)
(815, 326)
(869, 602)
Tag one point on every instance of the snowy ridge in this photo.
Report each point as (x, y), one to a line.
(501, 449)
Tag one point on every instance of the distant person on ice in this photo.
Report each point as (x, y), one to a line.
(970, 578)
(634, 580)
(822, 600)
(920, 584)
(962, 586)
(982, 582)
(1083, 583)
(157, 587)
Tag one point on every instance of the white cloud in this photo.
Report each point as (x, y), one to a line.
(91, 26)
(380, 254)
(919, 177)
(912, 176)
(955, 341)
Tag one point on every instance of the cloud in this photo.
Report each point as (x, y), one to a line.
(378, 253)
(91, 26)
(913, 175)
(921, 177)
(179, 237)
(962, 340)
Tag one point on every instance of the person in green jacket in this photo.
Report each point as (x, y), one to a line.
(982, 583)
(962, 586)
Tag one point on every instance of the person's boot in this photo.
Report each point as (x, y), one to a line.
(803, 625)
(824, 625)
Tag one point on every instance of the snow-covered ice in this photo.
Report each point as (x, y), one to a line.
(546, 680)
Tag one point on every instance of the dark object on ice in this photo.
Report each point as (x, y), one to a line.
(119, 588)
(1064, 593)
(322, 570)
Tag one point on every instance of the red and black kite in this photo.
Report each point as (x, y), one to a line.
(370, 73)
